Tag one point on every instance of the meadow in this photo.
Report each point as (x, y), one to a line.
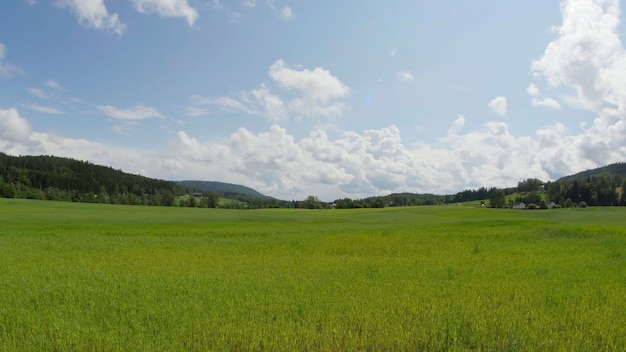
(91, 277)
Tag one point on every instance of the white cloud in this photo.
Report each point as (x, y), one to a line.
(135, 113)
(168, 8)
(318, 91)
(54, 85)
(260, 102)
(44, 109)
(194, 111)
(222, 103)
(588, 55)
(533, 90)
(94, 14)
(392, 53)
(272, 105)
(354, 164)
(249, 3)
(546, 103)
(318, 87)
(13, 128)
(405, 76)
(6, 70)
(38, 93)
(456, 126)
(286, 13)
(498, 105)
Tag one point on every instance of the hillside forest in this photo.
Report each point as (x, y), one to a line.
(64, 179)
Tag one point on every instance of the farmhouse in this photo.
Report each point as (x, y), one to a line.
(518, 205)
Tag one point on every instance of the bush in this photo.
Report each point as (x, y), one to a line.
(7, 190)
(532, 206)
(582, 204)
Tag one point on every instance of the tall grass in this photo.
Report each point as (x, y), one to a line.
(83, 277)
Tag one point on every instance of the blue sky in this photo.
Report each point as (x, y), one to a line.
(326, 98)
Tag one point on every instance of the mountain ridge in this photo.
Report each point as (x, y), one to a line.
(223, 188)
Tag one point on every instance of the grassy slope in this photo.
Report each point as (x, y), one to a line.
(106, 277)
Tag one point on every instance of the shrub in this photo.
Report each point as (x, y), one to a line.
(582, 204)
(532, 206)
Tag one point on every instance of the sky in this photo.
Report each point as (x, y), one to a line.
(328, 98)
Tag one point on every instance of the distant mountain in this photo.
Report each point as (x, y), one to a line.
(225, 189)
(616, 169)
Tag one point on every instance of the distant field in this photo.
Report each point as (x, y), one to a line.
(87, 277)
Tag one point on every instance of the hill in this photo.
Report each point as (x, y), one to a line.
(227, 190)
(57, 178)
(615, 169)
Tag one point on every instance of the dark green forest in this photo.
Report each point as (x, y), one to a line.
(64, 179)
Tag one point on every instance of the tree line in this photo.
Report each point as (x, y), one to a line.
(66, 179)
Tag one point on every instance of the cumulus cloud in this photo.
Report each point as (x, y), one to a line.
(135, 113)
(375, 162)
(318, 90)
(271, 105)
(6, 70)
(13, 128)
(498, 105)
(533, 91)
(546, 103)
(588, 57)
(168, 8)
(16, 135)
(318, 87)
(405, 76)
(94, 14)
(353, 163)
(456, 125)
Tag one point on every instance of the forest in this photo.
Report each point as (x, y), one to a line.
(54, 178)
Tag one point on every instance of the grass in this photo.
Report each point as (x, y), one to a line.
(87, 277)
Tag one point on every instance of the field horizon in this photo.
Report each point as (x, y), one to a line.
(87, 277)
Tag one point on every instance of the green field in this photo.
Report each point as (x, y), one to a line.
(89, 277)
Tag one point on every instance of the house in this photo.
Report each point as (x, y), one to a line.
(518, 205)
